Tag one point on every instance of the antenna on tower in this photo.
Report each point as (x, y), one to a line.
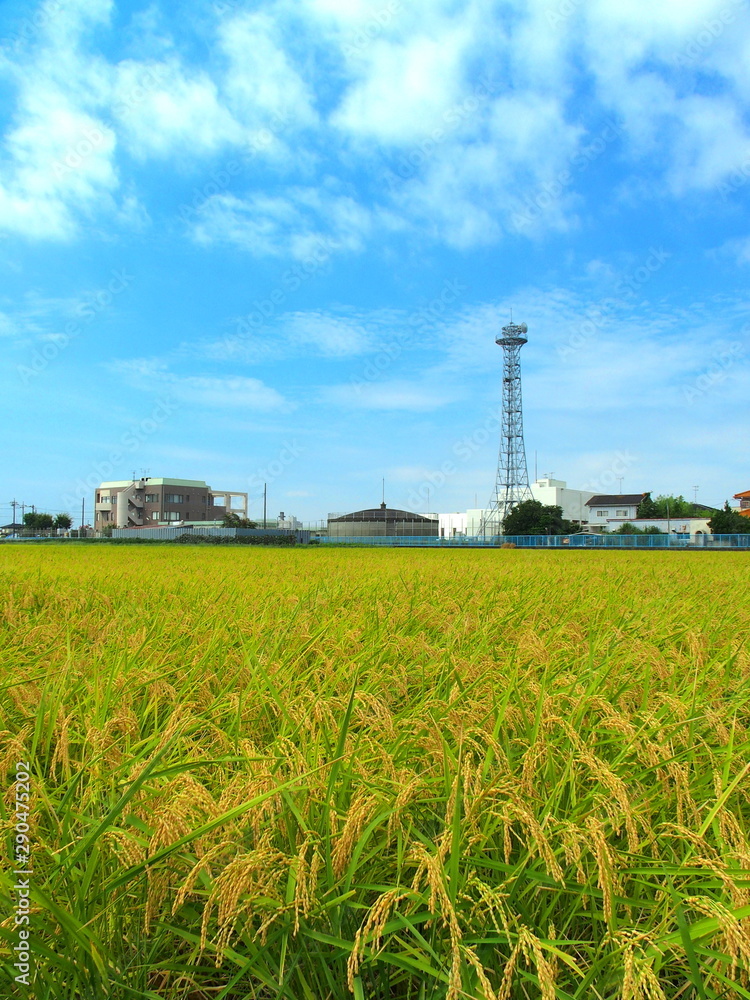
(512, 482)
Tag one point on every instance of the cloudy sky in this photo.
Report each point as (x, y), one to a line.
(272, 241)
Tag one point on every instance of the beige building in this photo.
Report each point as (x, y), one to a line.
(149, 502)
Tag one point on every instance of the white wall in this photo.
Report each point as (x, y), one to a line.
(555, 493)
(450, 525)
(682, 525)
(611, 518)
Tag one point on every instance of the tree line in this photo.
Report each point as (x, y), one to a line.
(43, 522)
(534, 518)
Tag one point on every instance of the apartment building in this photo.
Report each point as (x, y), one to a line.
(150, 502)
(744, 499)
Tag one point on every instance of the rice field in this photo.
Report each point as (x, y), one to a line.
(425, 775)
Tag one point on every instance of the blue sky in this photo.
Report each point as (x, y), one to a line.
(274, 241)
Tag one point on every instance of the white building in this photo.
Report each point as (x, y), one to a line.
(610, 510)
(555, 493)
(452, 525)
(288, 522)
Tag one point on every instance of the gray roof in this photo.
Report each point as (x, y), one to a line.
(383, 513)
(613, 499)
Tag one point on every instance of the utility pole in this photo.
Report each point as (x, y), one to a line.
(83, 514)
(23, 511)
(265, 498)
(669, 523)
(14, 504)
(619, 482)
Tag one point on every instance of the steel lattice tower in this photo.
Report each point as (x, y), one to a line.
(512, 484)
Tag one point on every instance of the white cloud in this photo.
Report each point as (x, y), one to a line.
(331, 336)
(407, 88)
(211, 391)
(162, 110)
(738, 249)
(261, 83)
(304, 223)
(372, 78)
(394, 394)
(645, 59)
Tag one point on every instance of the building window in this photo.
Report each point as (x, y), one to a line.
(602, 513)
(173, 498)
(152, 498)
(172, 515)
(621, 513)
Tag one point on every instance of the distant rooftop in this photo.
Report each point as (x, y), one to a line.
(196, 483)
(613, 499)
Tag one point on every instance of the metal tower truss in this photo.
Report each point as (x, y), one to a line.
(512, 483)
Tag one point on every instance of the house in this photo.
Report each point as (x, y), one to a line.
(744, 499)
(610, 510)
(10, 529)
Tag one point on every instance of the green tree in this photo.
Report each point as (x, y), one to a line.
(63, 521)
(38, 522)
(729, 522)
(647, 508)
(670, 506)
(232, 520)
(534, 518)
(633, 529)
(627, 529)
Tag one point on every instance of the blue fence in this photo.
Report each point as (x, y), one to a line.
(555, 541)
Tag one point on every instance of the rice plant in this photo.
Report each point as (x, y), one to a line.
(422, 775)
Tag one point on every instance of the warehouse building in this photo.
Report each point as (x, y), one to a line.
(382, 521)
